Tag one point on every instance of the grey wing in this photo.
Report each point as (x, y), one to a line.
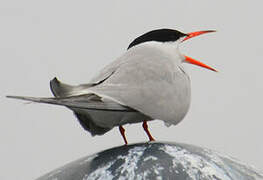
(151, 84)
(82, 102)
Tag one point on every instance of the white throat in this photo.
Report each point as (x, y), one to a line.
(170, 49)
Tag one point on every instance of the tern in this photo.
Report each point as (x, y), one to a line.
(147, 82)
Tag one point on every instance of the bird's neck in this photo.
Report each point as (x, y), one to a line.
(168, 49)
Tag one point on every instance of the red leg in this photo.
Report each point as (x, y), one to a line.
(145, 127)
(122, 131)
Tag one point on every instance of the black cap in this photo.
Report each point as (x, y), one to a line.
(159, 35)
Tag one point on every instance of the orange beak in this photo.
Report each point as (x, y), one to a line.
(191, 60)
(198, 33)
(198, 63)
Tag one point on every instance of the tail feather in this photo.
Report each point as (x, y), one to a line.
(60, 89)
(77, 98)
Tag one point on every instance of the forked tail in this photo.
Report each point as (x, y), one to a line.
(62, 90)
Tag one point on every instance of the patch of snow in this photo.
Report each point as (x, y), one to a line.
(159, 178)
(131, 160)
(101, 173)
(150, 158)
(193, 163)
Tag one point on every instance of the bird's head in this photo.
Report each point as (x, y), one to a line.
(171, 36)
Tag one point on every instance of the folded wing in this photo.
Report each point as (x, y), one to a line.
(82, 101)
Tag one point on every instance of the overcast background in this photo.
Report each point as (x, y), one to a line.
(74, 39)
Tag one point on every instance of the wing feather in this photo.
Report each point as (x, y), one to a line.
(82, 102)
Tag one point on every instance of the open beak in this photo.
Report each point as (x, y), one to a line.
(197, 33)
(191, 60)
(198, 63)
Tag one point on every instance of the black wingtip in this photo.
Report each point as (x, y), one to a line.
(54, 83)
(17, 97)
(55, 80)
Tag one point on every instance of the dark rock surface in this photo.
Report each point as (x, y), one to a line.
(158, 160)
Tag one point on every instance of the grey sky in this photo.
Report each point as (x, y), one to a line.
(74, 39)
